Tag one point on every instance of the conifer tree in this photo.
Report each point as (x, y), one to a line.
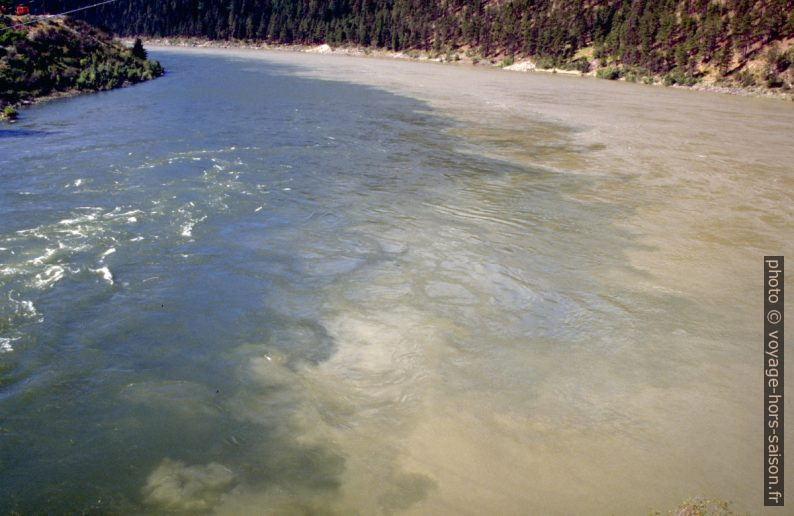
(138, 50)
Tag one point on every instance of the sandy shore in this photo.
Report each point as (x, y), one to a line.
(460, 57)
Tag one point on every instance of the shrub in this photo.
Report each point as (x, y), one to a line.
(777, 61)
(9, 113)
(610, 73)
(544, 63)
(507, 61)
(636, 73)
(581, 65)
(451, 57)
(773, 80)
(745, 79)
(677, 76)
(11, 37)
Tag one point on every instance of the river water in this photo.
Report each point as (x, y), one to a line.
(271, 283)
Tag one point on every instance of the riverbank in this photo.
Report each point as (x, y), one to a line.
(463, 57)
(46, 58)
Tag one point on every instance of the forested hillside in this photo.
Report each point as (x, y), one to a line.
(54, 55)
(682, 40)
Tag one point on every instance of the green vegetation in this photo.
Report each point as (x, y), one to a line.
(609, 73)
(745, 79)
(680, 77)
(580, 64)
(779, 67)
(137, 49)
(690, 39)
(8, 113)
(637, 74)
(62, 55)
(544, 63)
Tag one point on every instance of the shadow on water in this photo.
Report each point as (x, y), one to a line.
(21, 133)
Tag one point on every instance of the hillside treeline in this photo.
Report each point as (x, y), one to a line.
(655, 37)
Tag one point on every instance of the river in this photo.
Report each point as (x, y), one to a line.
(281, 283)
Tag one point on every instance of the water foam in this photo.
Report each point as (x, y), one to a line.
(5, 345)
(46, 256)
(105, 273)
(187, 227)
(51, 275)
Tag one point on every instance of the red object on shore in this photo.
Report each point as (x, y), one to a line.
(22, 10)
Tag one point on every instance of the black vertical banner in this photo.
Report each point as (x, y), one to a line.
(773, 381)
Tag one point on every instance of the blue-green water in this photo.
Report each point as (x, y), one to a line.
(234, 289)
